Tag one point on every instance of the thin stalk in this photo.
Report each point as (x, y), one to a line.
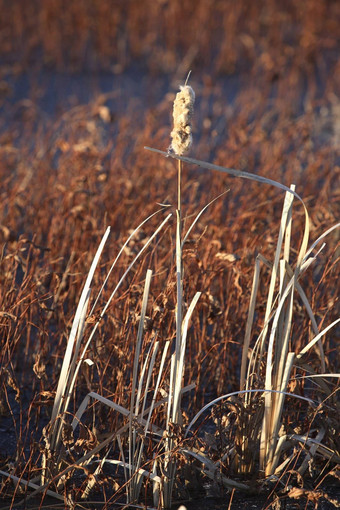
(132, 430)
(179, 179)
(179, 277)
(175, 413)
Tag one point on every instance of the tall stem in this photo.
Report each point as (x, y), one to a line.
(179, 186)
(176, 416)
(179, 278)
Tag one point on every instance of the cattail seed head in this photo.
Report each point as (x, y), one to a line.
(181, 134)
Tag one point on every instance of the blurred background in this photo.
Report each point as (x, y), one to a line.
(271, 59)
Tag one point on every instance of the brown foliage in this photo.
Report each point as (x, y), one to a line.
(65, 177)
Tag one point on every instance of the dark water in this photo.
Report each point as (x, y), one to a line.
(44, 96)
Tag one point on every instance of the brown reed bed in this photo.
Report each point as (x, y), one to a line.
(270, 36)
(65, 178)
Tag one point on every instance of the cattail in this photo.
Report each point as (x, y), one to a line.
(183, 110)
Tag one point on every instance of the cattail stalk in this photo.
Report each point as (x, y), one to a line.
(181, 137)
(179, 176)
(181, 141)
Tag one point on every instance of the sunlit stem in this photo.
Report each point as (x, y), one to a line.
(179, 278)
(180, 163)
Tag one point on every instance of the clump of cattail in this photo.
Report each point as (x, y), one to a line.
(181, 134)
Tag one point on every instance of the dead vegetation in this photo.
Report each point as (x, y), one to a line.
(65, 177)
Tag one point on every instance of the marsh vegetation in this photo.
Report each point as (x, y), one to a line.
(169, 321)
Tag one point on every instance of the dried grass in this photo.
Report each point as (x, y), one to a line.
(64, 181)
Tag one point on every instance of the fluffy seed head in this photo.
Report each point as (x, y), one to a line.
(181, 134)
